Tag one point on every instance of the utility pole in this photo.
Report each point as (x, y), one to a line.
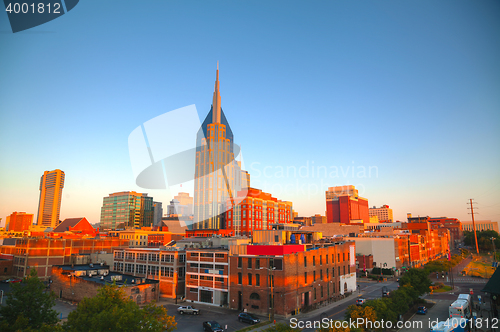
(474, 225)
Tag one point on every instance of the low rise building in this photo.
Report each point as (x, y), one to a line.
(166, 264)
(76, 282)
(283, 277)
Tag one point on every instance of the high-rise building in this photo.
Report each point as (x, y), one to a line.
(126, 209)
(384, 213)
(19, 221)
(217, 174)
(343, 205)
(49, 206)
(158, 213)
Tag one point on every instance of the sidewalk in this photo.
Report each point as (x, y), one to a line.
(319, 311)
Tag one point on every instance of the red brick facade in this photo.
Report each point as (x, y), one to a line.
(301, 279)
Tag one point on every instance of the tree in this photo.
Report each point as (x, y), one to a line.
(383, 309)
(29, 306)
(366, 312)
(418, 279)
(110, 310)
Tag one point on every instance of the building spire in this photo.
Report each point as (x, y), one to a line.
(216, 111)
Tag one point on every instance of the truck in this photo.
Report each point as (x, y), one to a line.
(188, 309)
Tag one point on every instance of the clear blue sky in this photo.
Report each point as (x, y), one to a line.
(408, 88)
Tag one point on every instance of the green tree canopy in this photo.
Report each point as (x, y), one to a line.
(28, 306)
(110, 310)
(418, 279)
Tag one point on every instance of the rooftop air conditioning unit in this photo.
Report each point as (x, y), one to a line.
(102, 278)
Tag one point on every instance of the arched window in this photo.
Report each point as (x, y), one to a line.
(254, 296)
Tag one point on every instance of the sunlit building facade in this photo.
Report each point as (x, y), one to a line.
(384, 213)
(19, 221)
(217, 174)
(257, 211)
(126, 209)
(49, 206)
(343, 205)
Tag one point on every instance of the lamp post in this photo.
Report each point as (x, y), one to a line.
(270, 281)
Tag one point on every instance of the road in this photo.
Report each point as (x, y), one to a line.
(439, 312)
(368, 291)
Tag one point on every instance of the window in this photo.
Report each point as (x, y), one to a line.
(320, 274)
(339, 272)
(344, 269)
(218, 279)
(321, 291)
(257, 263)
(254, 296)
(182, 258)
(278, 264)
(343, 257)
(240, 262)
(305, 277)
(314, 260)
(257, 280)
(193, 290)
(249, 263)
(314, 275)
(327, 276)
(348, 269)
(193, 265)
(239, 278)
(193, 276)
(338, 258)
(250, 279)
(326, 259)
(219, 255)
(314, 294)
(320, 260)
(305, 261)
(333, 259)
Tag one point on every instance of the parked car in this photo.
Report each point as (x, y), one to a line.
(422, 310)
(212, 326)
(248, 318)
(7, 280)
(14, 280)
(360, 301)
(188, 310)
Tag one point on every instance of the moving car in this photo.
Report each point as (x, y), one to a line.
(421, 310)
(248, 318)
(188, 309)
(212, 326)
(360, 301)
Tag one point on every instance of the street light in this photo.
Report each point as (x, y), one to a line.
(271, 281)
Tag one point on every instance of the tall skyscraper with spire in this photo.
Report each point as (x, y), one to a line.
(217, 174)
(49, 206)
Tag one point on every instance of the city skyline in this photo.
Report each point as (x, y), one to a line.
(398, 99)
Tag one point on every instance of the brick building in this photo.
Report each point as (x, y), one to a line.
(256, 211)
(343, 205)
(166, 265)
(19, 222)
(288, 278)
(453, 225)
(74, 283)
(42, 253)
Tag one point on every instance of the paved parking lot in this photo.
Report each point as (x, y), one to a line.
(190, 323)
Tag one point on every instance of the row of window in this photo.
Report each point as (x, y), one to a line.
(147, 269)
(326, 259)
(276, 263)
(149, 257)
